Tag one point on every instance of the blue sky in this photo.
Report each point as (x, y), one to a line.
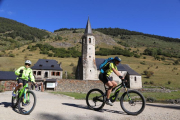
(158, 17)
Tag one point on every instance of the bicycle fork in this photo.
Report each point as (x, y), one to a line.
(26, 96)
(127, 91)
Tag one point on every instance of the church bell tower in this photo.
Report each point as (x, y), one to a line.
(88, 54)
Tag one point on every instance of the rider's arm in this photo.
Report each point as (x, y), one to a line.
(17, 72)
(115, 70)
(32, 76)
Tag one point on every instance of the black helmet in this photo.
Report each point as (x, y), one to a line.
(117, 58)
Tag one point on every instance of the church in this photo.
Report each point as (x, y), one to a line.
(88, 64)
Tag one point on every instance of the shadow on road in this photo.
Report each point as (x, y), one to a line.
(85, 107)
(47, 116)
(165, 106)
(6, 104)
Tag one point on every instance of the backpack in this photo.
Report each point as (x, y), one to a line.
(104, 63)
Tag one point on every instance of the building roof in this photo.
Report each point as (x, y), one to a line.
(46, 64)
(101, 60)
(130, 70)
(88, 30)
(7, 75)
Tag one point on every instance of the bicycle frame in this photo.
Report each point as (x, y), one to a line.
(116, 93)
(23, 91)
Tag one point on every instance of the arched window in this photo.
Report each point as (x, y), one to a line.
(135, 79)
(89, 40)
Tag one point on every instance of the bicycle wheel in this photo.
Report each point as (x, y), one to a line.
(14, 101)
(28, 107)
(133, 102)
(95, 99)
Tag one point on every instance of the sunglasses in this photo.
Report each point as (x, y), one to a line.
(27, 64)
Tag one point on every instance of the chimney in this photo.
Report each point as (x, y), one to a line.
(60, 64)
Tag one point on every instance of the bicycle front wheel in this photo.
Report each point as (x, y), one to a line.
(95, 99)
(27, 107)
(14, 101)
(132, 102)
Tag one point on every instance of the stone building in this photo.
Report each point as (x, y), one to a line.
(47, 69)
(88, 65)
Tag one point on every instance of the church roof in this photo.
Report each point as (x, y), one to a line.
(46, 64)
(130, 70)
(88, 30)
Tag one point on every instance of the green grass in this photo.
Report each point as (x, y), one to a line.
(72, 94)
(158, 97)
(162, 96)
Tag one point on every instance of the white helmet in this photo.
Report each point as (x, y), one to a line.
(28, 62)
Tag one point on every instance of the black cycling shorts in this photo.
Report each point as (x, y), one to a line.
(104, 78)
(22, 81)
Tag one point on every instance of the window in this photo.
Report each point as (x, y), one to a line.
(39, 73)
(90, 70)
(89, 56)
(89, 40)
(47, 61)
(135, 79)
(57, 73)
(34, 72)
(40, 65)
(52, 65)
(53, 73)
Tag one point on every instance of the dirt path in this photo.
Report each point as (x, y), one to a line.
(59, 107)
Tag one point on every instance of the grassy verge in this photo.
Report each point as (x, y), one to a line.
(157, 97)
(72, 94)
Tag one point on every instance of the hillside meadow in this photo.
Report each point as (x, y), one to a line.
(165, 73)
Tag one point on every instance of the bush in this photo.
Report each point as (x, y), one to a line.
(151, 82)
(72, 64)
(169, 82)
(1, 88)
(143, 63)
(148, 73)
(146, 82)
(11, 55)
(136, 55)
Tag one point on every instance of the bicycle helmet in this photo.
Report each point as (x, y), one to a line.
(117, 58)
(28, 62)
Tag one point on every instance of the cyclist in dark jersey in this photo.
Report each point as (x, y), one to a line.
(107, 79)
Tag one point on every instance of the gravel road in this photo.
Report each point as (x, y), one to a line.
(60, 107)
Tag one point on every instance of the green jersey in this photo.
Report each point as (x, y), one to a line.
(27, 72)
(108, 68)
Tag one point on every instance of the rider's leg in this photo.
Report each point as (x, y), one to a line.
(110, 85)
(114, 83)
(18, 87)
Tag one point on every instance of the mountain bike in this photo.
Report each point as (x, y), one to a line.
(25, 100)
(131, 101)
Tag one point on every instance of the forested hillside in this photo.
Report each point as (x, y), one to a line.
(14, 29)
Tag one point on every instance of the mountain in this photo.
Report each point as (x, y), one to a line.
(108, 40)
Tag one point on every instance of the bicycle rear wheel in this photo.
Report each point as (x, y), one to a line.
(95, 99)
(133, 102)
(27, 108)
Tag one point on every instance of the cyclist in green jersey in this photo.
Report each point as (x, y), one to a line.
(24, 72)
(107, 79)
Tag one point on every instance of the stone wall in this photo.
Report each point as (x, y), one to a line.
(80, 86)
